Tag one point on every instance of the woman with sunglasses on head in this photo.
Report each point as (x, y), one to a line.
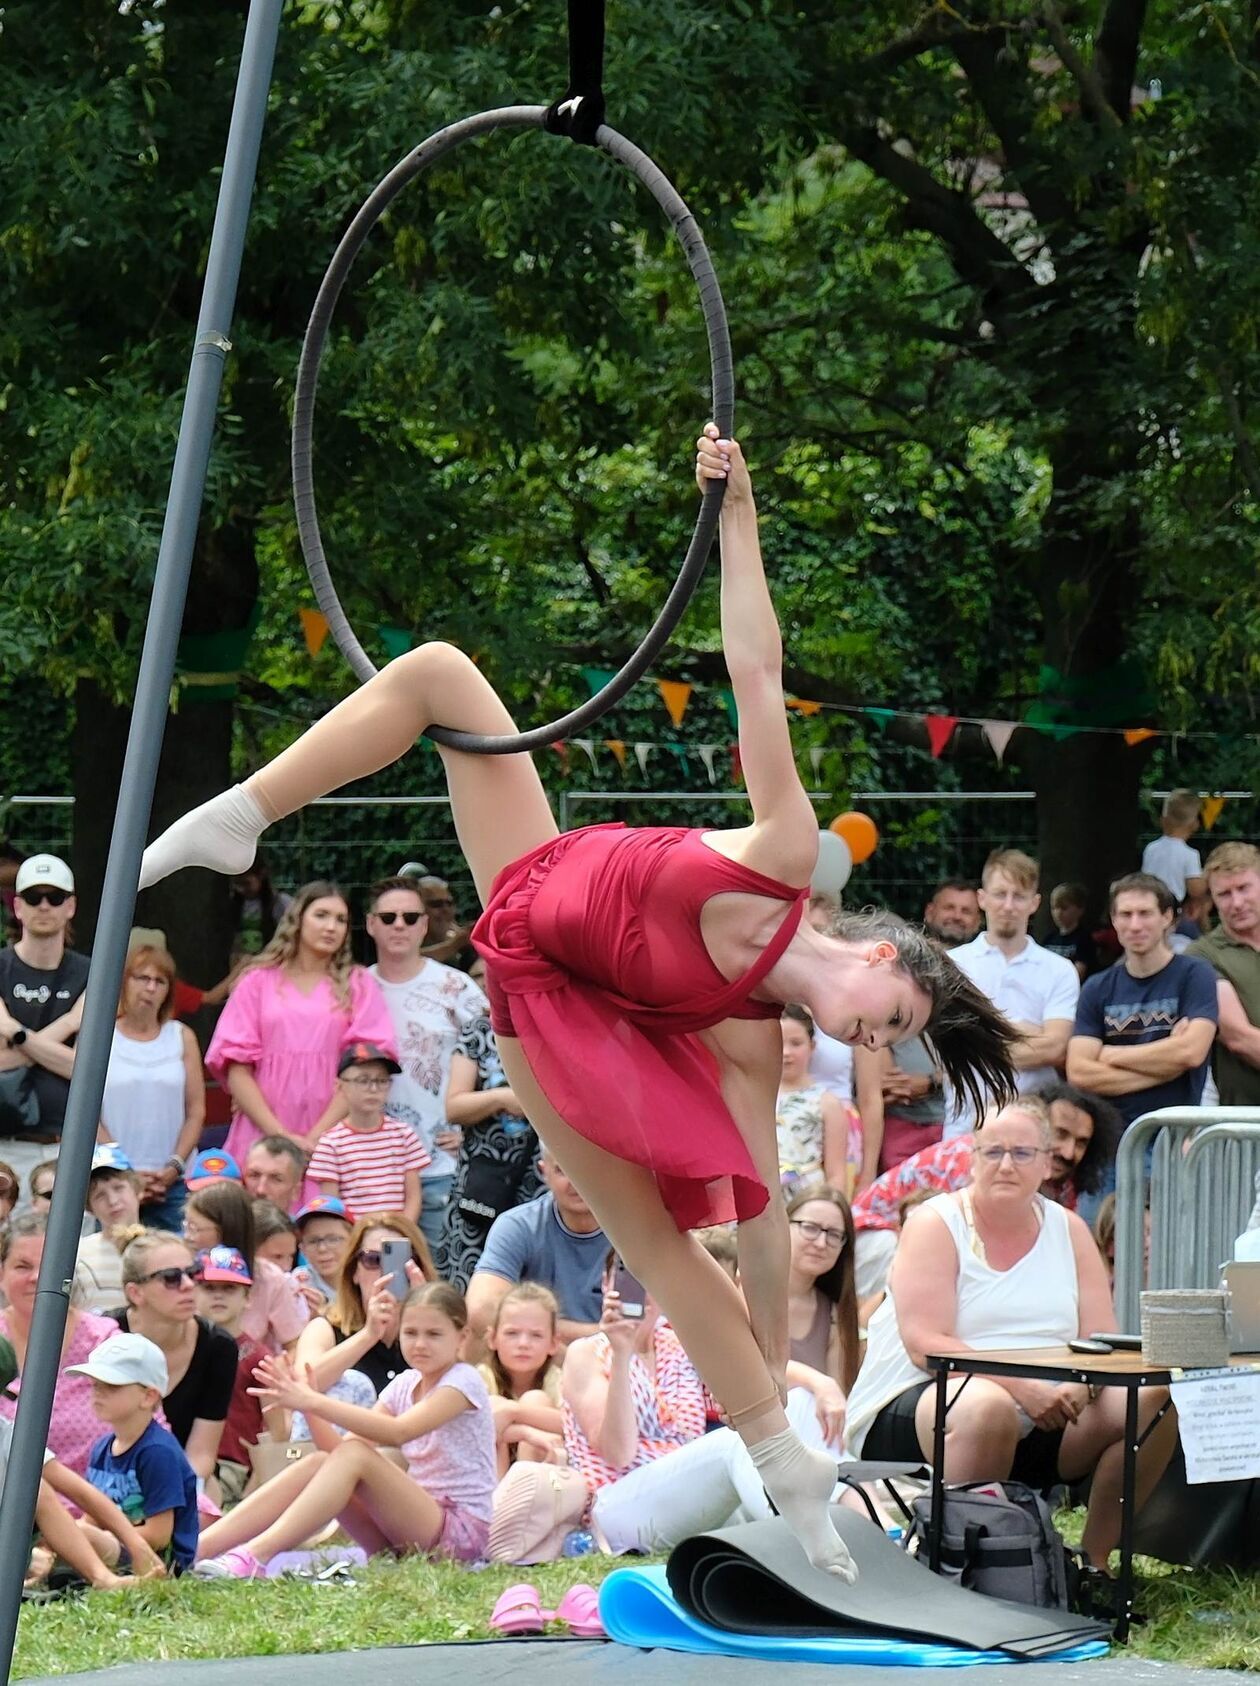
(660, 957)
(276, 1045)
(154, 1103)
(991, 1266)
(359, 1330)
(201, 1358)
(74, 1428)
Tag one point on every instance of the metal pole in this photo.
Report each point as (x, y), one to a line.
(135, 799)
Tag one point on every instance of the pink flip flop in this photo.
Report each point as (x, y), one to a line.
(517, 1611)
(580, 1609)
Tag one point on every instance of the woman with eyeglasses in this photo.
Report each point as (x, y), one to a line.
(991, 1266)
(292, 1012)
(158, 1280)
(154, 1103)
(74, 1428)
(359, 1331)
(822, 1302)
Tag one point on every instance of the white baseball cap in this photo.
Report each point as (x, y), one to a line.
(125, 1358)
(49, 870)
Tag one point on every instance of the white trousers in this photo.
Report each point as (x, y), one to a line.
(710, 1483)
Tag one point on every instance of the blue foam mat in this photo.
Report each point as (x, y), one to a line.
(637, 1608)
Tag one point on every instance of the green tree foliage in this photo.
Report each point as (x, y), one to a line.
(994, 319)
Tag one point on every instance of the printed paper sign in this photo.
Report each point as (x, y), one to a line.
(1219, 1413)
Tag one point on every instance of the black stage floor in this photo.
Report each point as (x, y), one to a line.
(568, 1662)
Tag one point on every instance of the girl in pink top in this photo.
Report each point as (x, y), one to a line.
(437, 1412)
(276, 1045)
(74, 1427)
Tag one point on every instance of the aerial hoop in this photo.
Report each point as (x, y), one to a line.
(723, 410)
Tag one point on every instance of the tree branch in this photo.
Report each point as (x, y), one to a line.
(1116, 53)
(1093, 95)
(998, 93)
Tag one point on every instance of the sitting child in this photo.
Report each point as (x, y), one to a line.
(139, 1464)
(437, 1412)
(275, 1235)
(113, 1199)
(223, 1290)
(370, 1161)
(523, 1378)
(58, 1536)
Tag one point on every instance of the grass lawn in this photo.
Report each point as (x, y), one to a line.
(1203, 1617)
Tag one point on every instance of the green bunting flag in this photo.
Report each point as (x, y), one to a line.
(395, 640)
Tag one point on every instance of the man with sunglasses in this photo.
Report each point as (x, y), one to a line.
(42, 981)
(431, 1006)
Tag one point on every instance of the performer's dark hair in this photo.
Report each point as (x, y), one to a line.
(970, 1040)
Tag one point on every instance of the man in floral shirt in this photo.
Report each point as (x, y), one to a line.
(431, 1006)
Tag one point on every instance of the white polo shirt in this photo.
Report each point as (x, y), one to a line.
(1035, 985)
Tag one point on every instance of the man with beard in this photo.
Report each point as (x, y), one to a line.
(953, 914)
(1085, 1131)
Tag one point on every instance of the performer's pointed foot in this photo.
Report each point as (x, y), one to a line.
(221, 834)
(800, 1482)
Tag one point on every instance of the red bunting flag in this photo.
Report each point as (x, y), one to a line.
(562, 750)
(940, 729)
(737, 765)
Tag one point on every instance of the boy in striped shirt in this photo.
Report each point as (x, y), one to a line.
(371, 1162)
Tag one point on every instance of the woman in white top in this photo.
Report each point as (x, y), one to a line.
(154, 1103)
(996, 1265)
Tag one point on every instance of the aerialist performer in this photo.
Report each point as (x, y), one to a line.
(636, 978)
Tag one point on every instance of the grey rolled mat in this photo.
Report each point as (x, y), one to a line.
(755, 1578)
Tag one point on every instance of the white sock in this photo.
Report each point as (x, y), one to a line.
(800, 1482)
(221, 834)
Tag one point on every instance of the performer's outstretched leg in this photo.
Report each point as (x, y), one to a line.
(706, 1311)
(501, 810)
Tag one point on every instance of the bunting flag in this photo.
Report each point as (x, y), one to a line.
(597, 678)
(641, 753)
(706, 752)
(803, 706)
(587, 746)
(314, 630)
(679, 752)
(395, 640)
(562, 750)
(737, 765)
(727, 698)
(1212, 806)
(940, 729)
(675, 694)
(618, 749)
(1059, 730)
(998, 734)
(815, 760)
(883, 717)
(1139, 734)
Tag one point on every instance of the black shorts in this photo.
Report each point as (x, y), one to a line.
(892, 1438)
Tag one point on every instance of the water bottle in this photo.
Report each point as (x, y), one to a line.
(578, 1542)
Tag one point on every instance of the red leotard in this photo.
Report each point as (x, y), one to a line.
(596, 963)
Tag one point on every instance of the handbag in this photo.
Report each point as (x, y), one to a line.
(19, 1104)
(268, 1457)
(488, 1187)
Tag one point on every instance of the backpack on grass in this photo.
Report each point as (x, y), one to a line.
(1003, 1543)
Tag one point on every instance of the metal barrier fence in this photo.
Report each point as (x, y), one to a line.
(1203, 1163)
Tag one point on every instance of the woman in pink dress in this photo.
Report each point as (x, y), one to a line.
(636, 979)
(277, 1042)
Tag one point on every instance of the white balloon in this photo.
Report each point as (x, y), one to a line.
(835, 863)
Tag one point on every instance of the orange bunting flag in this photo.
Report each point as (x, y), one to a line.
(314, 630)
(1212, 806)
(675, 694)
(940, 729)
(618, 749)
(803, 706)
(562, 750)
(1139, 734)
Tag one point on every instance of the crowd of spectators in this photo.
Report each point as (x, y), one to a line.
(378, 1305)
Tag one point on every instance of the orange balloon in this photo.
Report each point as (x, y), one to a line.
(859, 831)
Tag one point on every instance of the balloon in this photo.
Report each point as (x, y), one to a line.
(860, 832)
(835, 863)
